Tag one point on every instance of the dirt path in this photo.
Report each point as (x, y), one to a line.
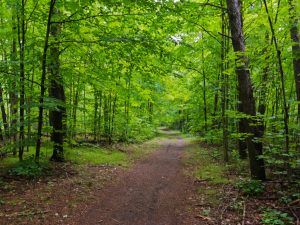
(153, 192)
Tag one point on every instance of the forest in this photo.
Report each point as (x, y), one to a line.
(110, 74)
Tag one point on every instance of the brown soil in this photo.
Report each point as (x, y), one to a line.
(153, 192)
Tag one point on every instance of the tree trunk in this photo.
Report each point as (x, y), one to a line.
(56, 91)
(96, 104)
(281, 73)
(245, 90)
(3, 113)
(43, 78)
(100, 116)
(204, 92)
(294, 18)
(74, 114)
(224, 89)
(21, 35)
(13, 89)
(262, 105)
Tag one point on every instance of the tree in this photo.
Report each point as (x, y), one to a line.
(245, 91)
(294, 31)
(43, 78)
(57, 115)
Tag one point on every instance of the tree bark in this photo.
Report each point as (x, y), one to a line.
(13, 89)
(224, 89)
(294, 18)
(74, 113)
(245, 90)
(281, 73)
(43, 78)
(56, 91)
(21, 37)
(3, 113)
(96, 105)
(204, 92)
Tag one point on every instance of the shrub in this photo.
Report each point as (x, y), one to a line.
(28, 168)
(251, 187)
(275, 217)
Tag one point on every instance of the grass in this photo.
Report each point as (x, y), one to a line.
(211, 172)
(206, 168)
(89, 155)
(80, 155)
(96, 156)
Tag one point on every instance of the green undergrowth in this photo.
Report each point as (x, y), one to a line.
(82, 155)
(96, 156)
(206, 166)
(139, 151)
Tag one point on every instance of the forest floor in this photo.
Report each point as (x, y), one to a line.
(161, 188)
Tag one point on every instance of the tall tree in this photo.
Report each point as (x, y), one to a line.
(43, 79)
(21, 38)
(294, 31)
(13, 83)
(56, 91)
(245, 90)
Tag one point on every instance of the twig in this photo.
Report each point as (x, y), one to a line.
(294, 202)
(25, 213)
(294, 214)
(244, 212)
(116, 220)
(227, 206)
(203, 217)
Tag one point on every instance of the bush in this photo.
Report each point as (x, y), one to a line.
(275, 217)
(251, 187)
(28, 168)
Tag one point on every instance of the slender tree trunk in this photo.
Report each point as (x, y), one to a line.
(84, 113)
(224, 88)
(43, 78)
(13, 92)
(96, 105)
(56, 91)
(263, 90)
(109, 116)
(242, 144)
(257, 167)
(127, 104)
(106, 116)
(100, 116)
(294, 18)
(21, 35)
(3, 113)
(74, 114)
(281, 73)
(28, 111)
(204, 91)
(216, 100)
(114, 108)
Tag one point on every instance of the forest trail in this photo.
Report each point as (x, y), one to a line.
(153, 192)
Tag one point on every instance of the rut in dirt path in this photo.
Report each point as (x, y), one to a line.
(151, 193)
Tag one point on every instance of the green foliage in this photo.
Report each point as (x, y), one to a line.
(213, 136)
(206, 166)
(289, 198)
(279, 159)
(130, 66)
(96, 156)
(251, 187)
(29, 169)
(275, 217)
